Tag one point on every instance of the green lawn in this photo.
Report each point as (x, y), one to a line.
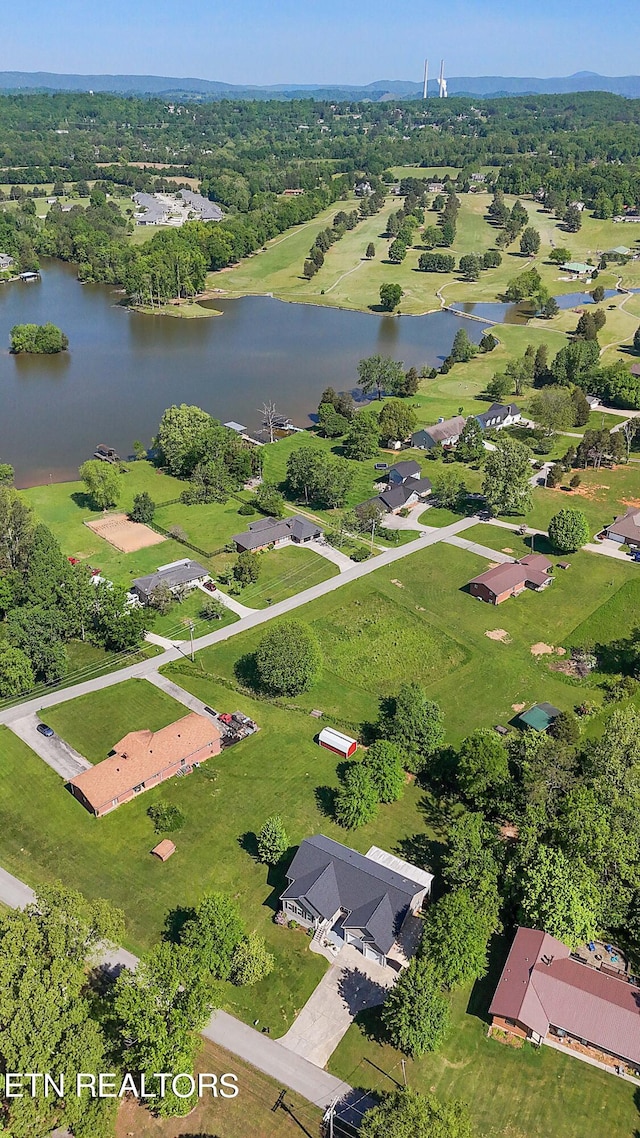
(175, 623)
(208, 526)
(511, 1092)
(284, 572)
(602, 495)
(94, 723)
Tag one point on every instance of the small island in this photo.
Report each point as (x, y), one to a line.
(38, 339)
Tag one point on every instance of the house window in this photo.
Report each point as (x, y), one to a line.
(291, 907)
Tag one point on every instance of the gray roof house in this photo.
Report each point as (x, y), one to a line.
(403, 471)
(177, 575)
(351, 898)
(5, 261)
(626, 528)
(499, 415)
(206, 210)
(276, 531)
(447, 432)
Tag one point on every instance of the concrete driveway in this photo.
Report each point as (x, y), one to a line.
(54, 751)
(352, 984)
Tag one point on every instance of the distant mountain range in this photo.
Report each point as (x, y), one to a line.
(164, 86)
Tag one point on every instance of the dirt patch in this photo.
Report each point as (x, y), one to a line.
(509, 832)
(505, 1037)
(500, 634)
(507, 549)
(589, 492)
(542, 649)
(125, 535)
(635, 502)
(397, 583)
(518, 706)
(493, 565)
(561, 651)
(566, 668)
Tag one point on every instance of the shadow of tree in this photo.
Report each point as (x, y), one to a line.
(246, 672)
(359, 991)
(249, 843)
(483, 990)
(325, 797)
(174, 923)
(621, 655)
(84, 501)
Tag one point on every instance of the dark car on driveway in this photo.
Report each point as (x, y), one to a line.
(45, 730)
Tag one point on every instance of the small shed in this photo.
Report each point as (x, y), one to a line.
(164, 849)
(335, 741)
(540, 716)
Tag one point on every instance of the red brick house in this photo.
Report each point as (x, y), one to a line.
(143, 759)
(546, 991)
(512, 578)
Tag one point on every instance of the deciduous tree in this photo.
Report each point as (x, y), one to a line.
(416, 1013)
(568, 530)
(103, 482)
(507, 473)
(288, 658)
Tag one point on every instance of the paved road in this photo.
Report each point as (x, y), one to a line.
(269, 1056)
(254, 619)
(56, 753)
(13, 892)
(608, 548)
(351, 984)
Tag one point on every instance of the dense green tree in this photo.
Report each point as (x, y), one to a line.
(288, 658)
(598, 294)
(16, 672)
(246, 570)
(48, 1021)
(530, 242)
(636, 340)
(362, 440)
(483, 766)
(448, 487)
(568, 530)
(414, 723)
(560, 895)
(272, 840)
(390, 295)
(209, 938)
(470, 267)
(143, 508)
(397, 251)
(457, 931)
(38, 339)
(117, 625)
(7, 474)
(371, 251)
(575, 362)
(332, 424)
(356, 802)
(572, 219)
(269, 499)
(406, 1114)
(553, 409)
(488, 342)
(103, 482)
(500, 387)
(38, 630)
(184, 435)
(251, 961)
(383, 762)
(380, 374)
(470, 447)
(397, 421)
(462, 349)
(436, 263)
(416, 1013)
(560, 255)
(160, 1009)
(473, 856)
(507, 473)
(524, 286)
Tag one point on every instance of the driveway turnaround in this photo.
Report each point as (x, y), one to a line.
(323, 549)
(177, 693)
(269, 1056)
(56, 753)
(352, 984)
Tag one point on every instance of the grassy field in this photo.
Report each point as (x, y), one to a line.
(602, 495)
(511, 1092)
(284, 572)
(93, 723)
(227, 1118)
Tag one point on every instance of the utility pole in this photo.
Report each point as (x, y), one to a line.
(332, 1110)
(404, 1072)
(425, 85)
(191, 628)
(373, 530)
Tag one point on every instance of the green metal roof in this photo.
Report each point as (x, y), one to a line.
(577, 267)
(537, 718)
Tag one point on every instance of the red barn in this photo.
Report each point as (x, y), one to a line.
(337, 742)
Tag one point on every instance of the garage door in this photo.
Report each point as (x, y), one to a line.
(371, 954)
(355, 941)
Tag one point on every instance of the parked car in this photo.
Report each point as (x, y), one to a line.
(210, 711)
(211, 586)
(45, 730)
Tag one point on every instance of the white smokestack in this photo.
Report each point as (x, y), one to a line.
(426, 79)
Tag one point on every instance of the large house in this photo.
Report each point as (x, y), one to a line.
(546, 992)
(177, 576)
(498, 416)
(512, 578)
(351, 898)
(626, 528)
(143, 759)
(446, 432)
(405, 488)
(277, 531)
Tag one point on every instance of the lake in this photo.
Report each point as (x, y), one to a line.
(124, 368)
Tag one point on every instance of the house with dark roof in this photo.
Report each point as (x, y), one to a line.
(277, 531)
(545, 992)
(400, 497)
(352, 898)
(626, 528)
(177, 576)
(446, 432)
(403, 471)
(499, 415)
(512, 578)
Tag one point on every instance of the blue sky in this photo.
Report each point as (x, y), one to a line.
(318, 41)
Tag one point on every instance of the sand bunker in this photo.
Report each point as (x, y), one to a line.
(123, 534)
(500, 634)
(398, 584)
(518, 706)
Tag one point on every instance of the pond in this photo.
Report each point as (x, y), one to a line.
(504, 313)
(124, 368)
